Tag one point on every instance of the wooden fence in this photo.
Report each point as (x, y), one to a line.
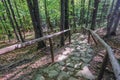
(109, 56)
(21, 45)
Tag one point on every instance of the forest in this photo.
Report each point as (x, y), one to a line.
(59, 40)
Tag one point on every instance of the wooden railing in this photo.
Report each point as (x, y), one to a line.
(109, 56)
(21, 45)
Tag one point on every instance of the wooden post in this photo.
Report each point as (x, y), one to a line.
(113, 60)
(94, 39)
(69, 37)
(89, 36)
(103, 67)
(51, 50)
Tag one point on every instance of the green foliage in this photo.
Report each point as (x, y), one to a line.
(53, 7)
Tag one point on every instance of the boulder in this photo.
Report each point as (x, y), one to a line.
(86, 73)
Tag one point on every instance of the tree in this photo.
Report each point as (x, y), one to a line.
(20, 20)
(73, 14)
(10, 18)
(88, 12)
(34, 12)
(94, 15)
(16, 23)
(62, 21)
(47, 16)
(66, 14)
(113, 18)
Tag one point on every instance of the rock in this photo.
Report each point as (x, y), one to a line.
(78, 66)
(70, 69)
(72, 78)
(68, 60)
(60, 67)
(86, 73)
(89, 50)
(78, 48)
(62, 63)
(40, 77)
(77, 54)
(63, 76)
(86, 60)
(61, 57)
(75, 58)
(52, 74)
(70, 65)
(56, 65)
(70, 73)
(46, 70)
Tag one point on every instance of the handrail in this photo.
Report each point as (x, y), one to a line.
(21, 45)
(113, 60)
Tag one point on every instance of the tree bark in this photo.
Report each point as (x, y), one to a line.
(20, 20)
(10, 18)
(62, 21)
(73, 13)
(88, 12)
(16, 23)
(66, 14)
(47, 16)
(112, 17)
(94, 15)
(34, 12)
(116, 22)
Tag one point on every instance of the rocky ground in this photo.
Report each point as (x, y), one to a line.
(74, 67)
(77, 61)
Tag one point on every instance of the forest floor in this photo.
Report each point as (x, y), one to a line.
(77, 61)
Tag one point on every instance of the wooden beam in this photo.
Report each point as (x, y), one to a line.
(21, 45)
(113, 60)
(51, 49)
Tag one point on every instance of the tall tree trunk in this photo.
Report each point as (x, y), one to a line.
(62, 21)
(116, 22)
(73, 13)
(88, 12)
(10, 18)
(20, 20)
(82, 12)
(66, 14)
(34, 12)
(47, 16)
(94, 15)
(102, 11)
(112, 17)
(17, 26)
(5, 29)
